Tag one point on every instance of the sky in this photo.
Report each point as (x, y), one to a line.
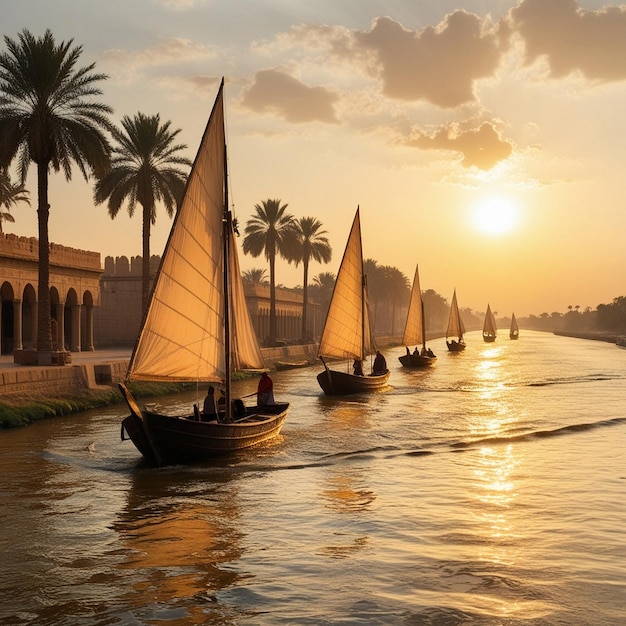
(482, 139)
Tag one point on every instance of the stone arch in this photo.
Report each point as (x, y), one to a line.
(56, 319)
(29, 317)
(71, 320)
(86, 325)
(7, 318)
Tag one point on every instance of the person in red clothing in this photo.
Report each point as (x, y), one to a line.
(265, 391)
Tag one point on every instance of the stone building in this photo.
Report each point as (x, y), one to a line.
(74, 292)
(118, 319)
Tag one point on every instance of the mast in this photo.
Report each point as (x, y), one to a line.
(226, 224)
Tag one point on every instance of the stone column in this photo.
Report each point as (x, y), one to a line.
(89, 328)
(17, 325)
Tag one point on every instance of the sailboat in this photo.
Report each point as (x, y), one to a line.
(514, 331)
(347, 332)
(489, 326)
(415, 330)
(197, 326)
(456, 328)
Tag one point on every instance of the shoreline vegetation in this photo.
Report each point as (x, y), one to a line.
(27, 408)
(24, 409)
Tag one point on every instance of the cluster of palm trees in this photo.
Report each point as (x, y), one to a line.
(50, 116)
(274, 232)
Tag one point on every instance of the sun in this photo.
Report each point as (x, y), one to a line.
(495, 216)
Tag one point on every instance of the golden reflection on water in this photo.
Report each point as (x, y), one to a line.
(175, 553)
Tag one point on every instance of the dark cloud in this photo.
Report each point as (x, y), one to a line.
(277, 92)
(572, 39)
(438, 64)
(482, 147)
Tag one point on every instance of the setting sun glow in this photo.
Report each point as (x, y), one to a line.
(495, 216)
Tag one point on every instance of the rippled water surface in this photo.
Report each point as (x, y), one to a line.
(490, 489)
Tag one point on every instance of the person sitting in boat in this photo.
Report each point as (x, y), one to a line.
(380, 364)
(209, 409)
(423, 351)
(430, 353)
(357, 367)
(416, 352)
(265, 391)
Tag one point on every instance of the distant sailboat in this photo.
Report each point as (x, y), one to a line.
(489, 327)
(456, 328)
(347, 332)
(415, 330)
(514, 332)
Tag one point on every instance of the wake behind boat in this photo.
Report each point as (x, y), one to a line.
(347, 331)
(197, 327)
(415, 330)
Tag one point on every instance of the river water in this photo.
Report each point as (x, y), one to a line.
(490, 489)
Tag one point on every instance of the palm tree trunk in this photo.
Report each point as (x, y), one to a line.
(272, 337)
(305, 298)
(145, 263)
(44, 330)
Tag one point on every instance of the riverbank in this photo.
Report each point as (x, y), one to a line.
(594, 335)
(30, 392)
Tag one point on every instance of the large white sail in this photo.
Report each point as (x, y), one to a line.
(414, 327)
(456, 328)
(183, 334)
(347, 331)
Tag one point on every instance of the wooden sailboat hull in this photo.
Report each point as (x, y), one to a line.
(455, 346)
(165, 439)
(489, 338)
(513, 336)
(334, 383)
(416, 360)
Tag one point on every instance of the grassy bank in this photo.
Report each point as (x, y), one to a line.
(26, 409)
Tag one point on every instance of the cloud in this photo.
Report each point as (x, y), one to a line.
(277, 92)
(482, 147)
(170, 51)
(438, 64)
(572, 39)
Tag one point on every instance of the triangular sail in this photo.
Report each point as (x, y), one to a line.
(347, 328)
(183, 334)
(456, 328)
(489, 327)
(414, 328)
(245, 350)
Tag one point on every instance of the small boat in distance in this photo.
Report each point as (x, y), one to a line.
(455, 328)
(489, 327)
(514, 332)
(415, 330)
(197, 327)
(347, 331)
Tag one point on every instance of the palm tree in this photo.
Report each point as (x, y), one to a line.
(311, 244)
(144, 170)
(48, 116)
(10, 195)
(256, 276)
(271, 231)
